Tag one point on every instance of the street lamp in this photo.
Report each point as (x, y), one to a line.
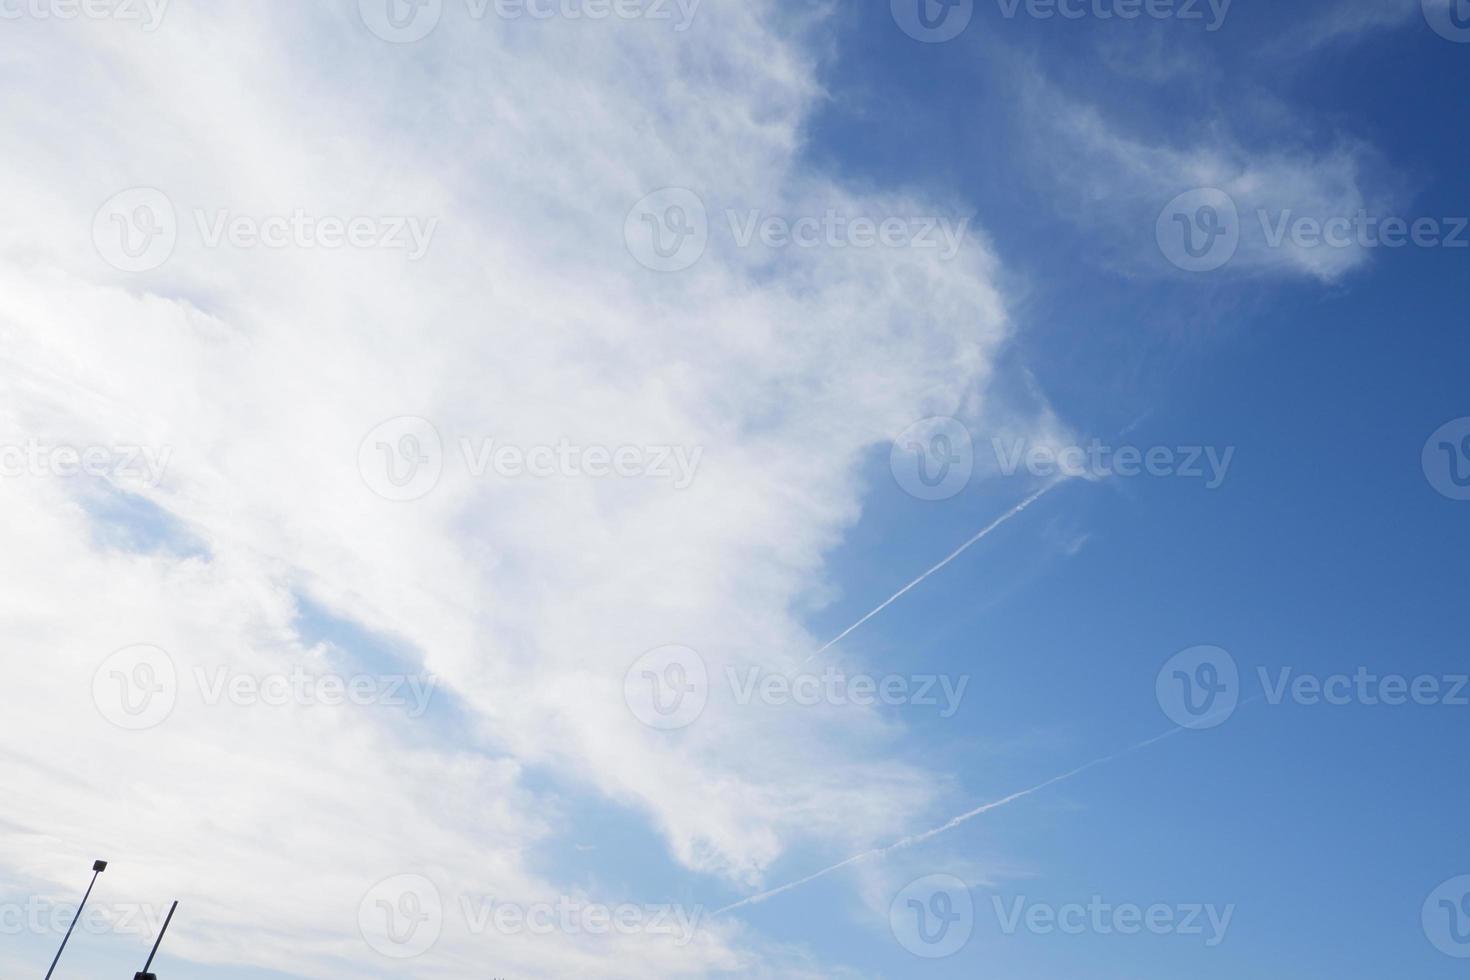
(145, 975)
(97, 868)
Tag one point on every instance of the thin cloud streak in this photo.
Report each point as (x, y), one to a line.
(984, 532)
(955, 822)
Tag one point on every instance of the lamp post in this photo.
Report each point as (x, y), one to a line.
(145, 975)
(97, 868)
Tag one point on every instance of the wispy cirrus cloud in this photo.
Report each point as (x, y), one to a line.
(263, 367)
(1352, 21)
(1138, 192)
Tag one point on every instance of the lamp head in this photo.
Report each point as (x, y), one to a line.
(99, 866)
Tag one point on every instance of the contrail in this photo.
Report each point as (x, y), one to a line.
(962, 818)
(912, 585)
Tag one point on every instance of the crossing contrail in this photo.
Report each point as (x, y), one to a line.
(914, 584)
(955, 822)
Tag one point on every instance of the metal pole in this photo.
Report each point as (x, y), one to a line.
(158, 942)
(97, 868)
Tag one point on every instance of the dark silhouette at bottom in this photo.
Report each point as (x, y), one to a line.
(97, 868)
(145, 975)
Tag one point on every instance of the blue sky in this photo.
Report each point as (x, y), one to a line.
(582, 634)
(1325, 549)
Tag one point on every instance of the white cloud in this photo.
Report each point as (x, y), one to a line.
(1115, 182)
(1351, 21)
(263, 369)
